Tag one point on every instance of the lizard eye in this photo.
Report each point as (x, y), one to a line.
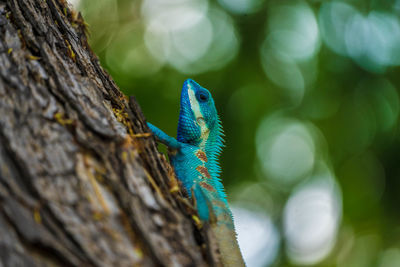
(202, 96)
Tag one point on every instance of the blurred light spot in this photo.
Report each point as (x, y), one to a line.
(136, 62)
(373, 41)
(283, 71)
(357, 36)
(199, 37)
(285, 149)
(311, 220)
(390, 258)
(179, 46)
(128, 56)
(384, 47)
(288, 52)
(293, 31)
(174, 14)
(74, 3)
(225, 43)
(181, 23)
(189, 35)
(257, 236)
(241, 6)
(333, 18)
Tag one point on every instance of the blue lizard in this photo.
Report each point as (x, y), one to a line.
(195, 160)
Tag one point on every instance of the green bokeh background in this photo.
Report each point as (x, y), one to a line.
(323, 76)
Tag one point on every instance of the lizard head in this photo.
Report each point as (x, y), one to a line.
(198, 115)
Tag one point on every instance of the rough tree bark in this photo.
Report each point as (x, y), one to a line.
(81, 181)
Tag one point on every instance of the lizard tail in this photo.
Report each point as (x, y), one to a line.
(217, 212)
(228, 246)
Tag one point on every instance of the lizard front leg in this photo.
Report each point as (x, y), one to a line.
(164, 138)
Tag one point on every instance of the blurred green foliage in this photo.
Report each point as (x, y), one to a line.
(308, 93)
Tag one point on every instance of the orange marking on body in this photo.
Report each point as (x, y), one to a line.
(201, 156)
(207, 186)
(203, 170)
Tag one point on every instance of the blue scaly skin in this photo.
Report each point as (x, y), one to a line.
(195, 160)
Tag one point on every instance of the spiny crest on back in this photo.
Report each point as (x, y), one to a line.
(213, 150)
(214, 146)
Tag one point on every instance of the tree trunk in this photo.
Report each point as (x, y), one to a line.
(81, 181)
